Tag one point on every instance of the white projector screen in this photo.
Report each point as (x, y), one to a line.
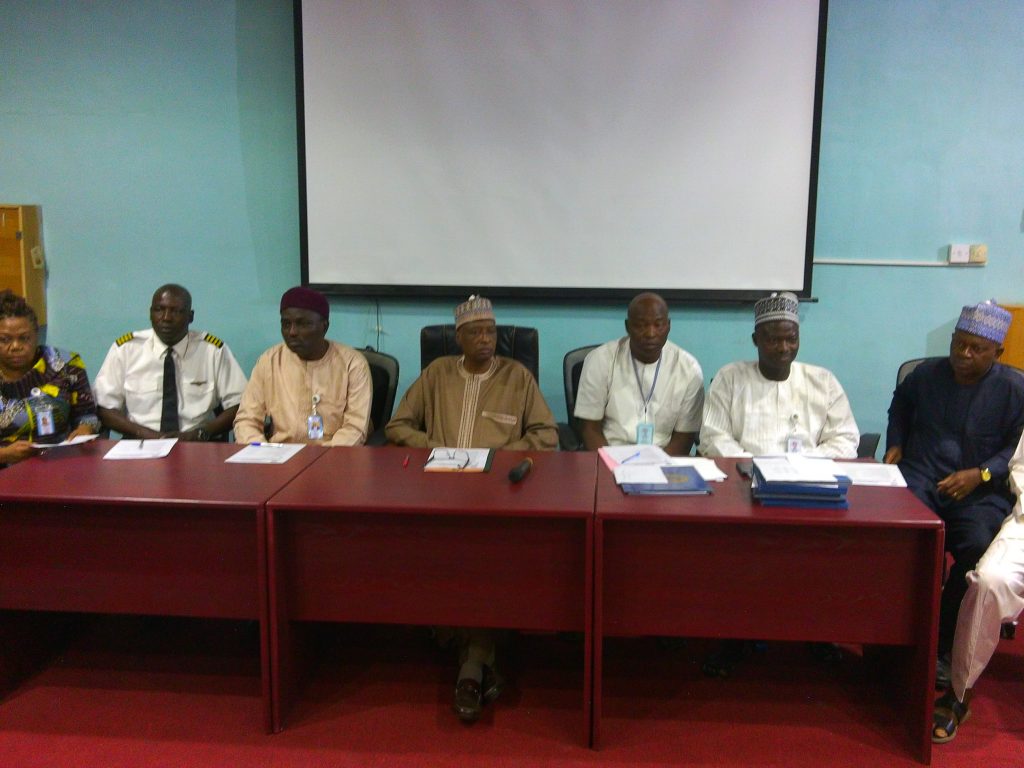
(559, 148)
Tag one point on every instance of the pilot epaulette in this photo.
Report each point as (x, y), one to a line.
(213, 340)
(122, 340)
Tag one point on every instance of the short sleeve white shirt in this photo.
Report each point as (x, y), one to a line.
(612, 392)
(131, 379)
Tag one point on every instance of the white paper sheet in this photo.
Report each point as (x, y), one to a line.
(706, 468)
(869, 473)
(614, 455)
(794, 468)
(639, 473)
(265, 453)
(141, 449)
(73, 441)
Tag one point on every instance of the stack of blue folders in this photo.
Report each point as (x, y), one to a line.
(679, 481)
(814, 490)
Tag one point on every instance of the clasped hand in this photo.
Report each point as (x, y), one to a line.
(956, 486)
(960, 484)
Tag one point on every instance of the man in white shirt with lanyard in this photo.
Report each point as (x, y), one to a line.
(776, 405)
(641, 388)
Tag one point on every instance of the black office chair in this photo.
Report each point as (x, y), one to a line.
(569, 436)
(906, 367)
(384, 373)
(868, 445)
(515, 341)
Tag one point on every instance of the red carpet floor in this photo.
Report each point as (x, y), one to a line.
(160, 692)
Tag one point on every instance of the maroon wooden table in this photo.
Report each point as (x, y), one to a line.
(366, 536)
(178, 536)
(723, 566)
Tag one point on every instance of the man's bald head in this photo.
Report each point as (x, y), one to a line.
(174, 289)
(642, 301)
(648, 324)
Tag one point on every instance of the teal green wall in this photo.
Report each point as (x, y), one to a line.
(159, 137)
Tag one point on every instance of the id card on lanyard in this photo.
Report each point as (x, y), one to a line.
(315, 422)
(44, 414)
(794, 443)
(644, 427)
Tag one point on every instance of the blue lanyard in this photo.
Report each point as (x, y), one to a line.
(636, 372)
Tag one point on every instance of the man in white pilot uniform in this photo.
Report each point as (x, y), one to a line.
(167, 381)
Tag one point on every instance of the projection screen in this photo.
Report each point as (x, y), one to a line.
(559, 148)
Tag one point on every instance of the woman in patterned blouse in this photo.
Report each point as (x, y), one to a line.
(44, 391)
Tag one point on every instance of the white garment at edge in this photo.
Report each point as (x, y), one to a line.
(995, 592)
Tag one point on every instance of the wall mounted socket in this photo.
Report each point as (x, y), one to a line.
(979, 254)
(959, 253)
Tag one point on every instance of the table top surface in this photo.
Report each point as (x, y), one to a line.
(391, 479)
(193, 474)
(730, 501)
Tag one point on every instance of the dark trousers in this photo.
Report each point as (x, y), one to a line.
(971, 525)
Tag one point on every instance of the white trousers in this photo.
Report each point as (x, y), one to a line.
(995, 594)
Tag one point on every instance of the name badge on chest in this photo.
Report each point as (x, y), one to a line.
(645, 433)
(44, 415)
(315, 422)
(794, 444)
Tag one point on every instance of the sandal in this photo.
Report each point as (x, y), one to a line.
(949, 715)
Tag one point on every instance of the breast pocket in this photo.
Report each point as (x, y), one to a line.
(199, 397)
(143, 398)
(507, 424)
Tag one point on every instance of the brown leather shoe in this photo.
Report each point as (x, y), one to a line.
(468, 700)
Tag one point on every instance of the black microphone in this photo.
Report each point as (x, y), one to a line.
(520, 470)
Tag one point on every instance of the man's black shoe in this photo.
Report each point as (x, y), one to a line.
(468, 700)
(492, 685)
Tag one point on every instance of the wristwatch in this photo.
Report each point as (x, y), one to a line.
(204, 437)
(986, 475)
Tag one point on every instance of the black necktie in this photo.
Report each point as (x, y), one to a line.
(169, 409)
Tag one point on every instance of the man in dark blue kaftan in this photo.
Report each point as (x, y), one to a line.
(954, 424)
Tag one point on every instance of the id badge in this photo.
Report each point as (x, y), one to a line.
(315, 426)
(794, 444)
(644, 433)
(44, 420)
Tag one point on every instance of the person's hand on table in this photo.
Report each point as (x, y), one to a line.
(893, 456)
(17, 451)
(80, 430)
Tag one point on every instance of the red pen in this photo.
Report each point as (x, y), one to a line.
(405, 461)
